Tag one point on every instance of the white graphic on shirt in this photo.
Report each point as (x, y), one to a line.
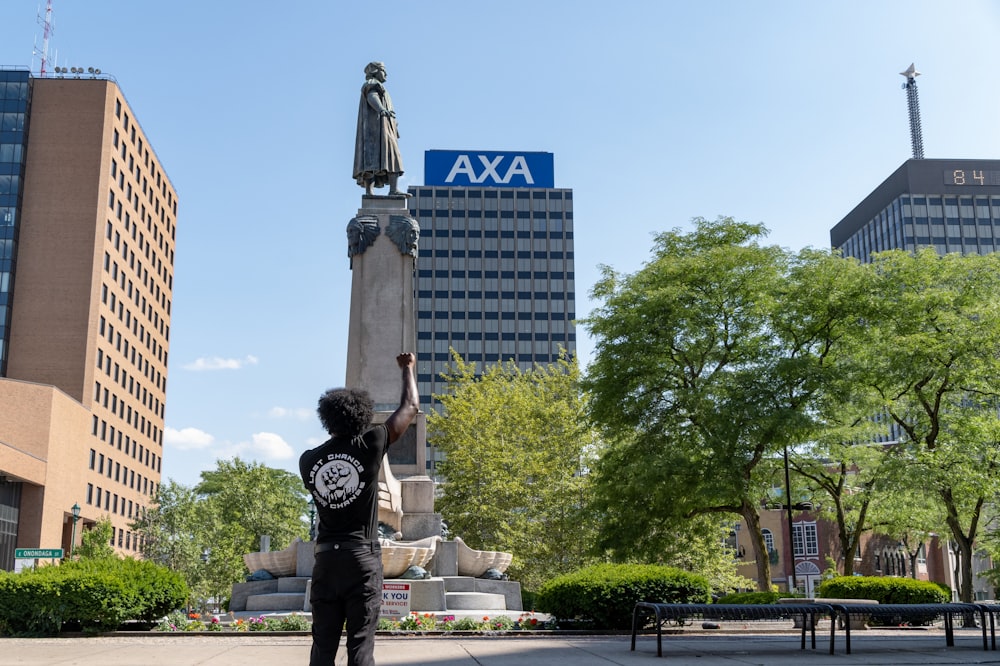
(337, 479)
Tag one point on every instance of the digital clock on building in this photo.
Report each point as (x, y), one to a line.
(971, 177)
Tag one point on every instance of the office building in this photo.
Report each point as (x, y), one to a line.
(87, 228)
(495, 278)
(951, 205)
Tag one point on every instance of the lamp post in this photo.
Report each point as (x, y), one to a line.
(791, 528)
(312, 519)
(76, 517)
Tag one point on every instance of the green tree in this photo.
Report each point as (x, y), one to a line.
(517, 454)
(709, 361)
(933, 361)
(203, 532)
(95, 542)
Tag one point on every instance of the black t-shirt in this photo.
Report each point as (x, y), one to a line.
(342, 476)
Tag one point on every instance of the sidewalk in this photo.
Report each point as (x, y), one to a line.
(527, 649)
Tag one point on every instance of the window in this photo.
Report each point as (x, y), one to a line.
(768, 539)
(805, 532)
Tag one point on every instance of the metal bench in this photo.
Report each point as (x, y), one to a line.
(661, 613)
(903, 611)
(990, 611)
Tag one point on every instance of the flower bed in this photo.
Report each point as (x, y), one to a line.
(431, 622)
(178, 621)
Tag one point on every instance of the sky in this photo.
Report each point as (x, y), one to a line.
(785, 113)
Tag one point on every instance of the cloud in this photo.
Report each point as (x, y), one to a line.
(266, 445)
(186, 439)
(218, 363)
(299, 413)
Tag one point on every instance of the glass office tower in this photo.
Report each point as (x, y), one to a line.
(495, 278)
(14, 95)
(951, 205)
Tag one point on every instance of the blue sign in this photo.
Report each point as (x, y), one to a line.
(488, 168)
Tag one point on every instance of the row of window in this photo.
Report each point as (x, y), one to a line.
(439, 217)
(144, 152)
(951, 224)
(474, 226)
(523, 241)
(159, 266)
(103, 500)
(476, 327)
(144, 455)
(107, 330)
(104, 431)
(121, 474)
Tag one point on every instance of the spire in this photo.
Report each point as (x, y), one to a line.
(916, 133)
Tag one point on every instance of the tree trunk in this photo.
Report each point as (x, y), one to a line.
(965, 542)
(752, 518)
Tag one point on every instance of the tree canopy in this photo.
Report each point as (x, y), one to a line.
(518, 451)
(203, 532)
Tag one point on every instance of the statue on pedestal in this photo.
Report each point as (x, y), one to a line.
(377, 161)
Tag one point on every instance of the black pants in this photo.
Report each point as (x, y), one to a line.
(346, 585)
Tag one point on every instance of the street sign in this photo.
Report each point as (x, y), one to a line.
(38, 553)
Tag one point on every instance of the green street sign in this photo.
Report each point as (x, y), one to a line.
(37, 553)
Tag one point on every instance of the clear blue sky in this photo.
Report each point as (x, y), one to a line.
(785, 113)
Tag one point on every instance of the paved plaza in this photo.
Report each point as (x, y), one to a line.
(528, 649)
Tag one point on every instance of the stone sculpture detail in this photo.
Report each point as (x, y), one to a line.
(361, 233)
(404, 231)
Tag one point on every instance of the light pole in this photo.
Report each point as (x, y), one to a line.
(312, 519)
(791, 527)
(76, 517)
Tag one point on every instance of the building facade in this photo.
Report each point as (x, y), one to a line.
(951, 205)
(87, 230)
(495, 276)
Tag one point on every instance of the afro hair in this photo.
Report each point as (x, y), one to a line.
(346, 412)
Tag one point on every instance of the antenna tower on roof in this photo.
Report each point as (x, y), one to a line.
(916, 133)
(46, 24)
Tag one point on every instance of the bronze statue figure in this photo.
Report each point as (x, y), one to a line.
(377, 161)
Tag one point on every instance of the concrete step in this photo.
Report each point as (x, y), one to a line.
(475, 601)
(276, 601)
(460, 583)
(294, 584)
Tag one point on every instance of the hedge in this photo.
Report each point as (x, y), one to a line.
(759, 598)
(604, 596)
(92, 595)
(883, 589)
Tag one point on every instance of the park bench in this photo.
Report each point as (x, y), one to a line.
(990, 611)
(662, 613)
(899, 613)
(808, 613)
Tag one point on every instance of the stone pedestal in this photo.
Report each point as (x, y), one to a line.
(419, 519)
(382, 322)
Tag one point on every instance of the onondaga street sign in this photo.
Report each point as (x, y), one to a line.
(37, 553)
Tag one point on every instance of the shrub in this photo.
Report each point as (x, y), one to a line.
(751, 598)
(604, 596)
(90, 595)
(885, 590)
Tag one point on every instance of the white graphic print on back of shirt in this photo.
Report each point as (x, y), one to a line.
(337, 480)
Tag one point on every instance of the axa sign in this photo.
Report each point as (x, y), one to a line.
(488, 168)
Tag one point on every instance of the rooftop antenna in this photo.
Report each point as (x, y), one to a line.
(46, 23)
(916, 133)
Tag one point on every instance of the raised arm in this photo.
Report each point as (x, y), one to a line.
(409, 401)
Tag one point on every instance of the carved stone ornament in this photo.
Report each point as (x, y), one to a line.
(361, 233)
(404, 231)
